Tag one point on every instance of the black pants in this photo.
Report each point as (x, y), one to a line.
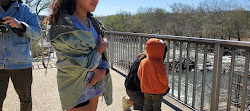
(138, 99)
(22, 80)
(152, 102)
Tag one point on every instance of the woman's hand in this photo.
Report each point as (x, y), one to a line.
(103, 44)
(98, 75)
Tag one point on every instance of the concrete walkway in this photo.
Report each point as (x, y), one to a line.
(46, 98)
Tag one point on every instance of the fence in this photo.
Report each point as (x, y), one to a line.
(202, 72)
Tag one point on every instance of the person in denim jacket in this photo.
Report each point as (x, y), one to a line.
(15, 56)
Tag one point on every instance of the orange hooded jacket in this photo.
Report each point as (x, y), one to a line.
(152, 71)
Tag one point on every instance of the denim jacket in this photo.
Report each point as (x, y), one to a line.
(15, 50)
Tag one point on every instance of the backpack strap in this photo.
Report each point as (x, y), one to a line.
(97, 25)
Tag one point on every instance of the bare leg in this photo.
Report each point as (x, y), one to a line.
(93, 103)
(84, 108)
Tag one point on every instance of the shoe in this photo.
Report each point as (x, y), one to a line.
(125, 105)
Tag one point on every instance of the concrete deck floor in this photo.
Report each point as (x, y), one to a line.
(46, 98)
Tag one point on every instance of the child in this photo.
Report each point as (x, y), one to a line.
(152, 75)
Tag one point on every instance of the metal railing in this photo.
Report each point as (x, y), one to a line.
(196, 70)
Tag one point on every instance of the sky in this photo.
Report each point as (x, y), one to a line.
(111, 7)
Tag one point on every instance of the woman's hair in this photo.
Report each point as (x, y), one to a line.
(58, 7)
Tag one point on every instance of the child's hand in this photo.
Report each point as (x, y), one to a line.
(98, 75)
(103, 44)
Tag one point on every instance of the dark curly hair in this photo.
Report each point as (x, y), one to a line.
(58, 7)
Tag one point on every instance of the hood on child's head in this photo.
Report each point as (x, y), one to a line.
(155, 48)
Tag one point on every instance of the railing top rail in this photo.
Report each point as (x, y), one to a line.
(187, 39)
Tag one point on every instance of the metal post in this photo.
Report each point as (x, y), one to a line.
(231, 80)
(244, 88)
(204, 77)
(195, 74)
(180, 72)
(168, 57)
(173, 67)
(112, 50)
(127, 53)
(140, 44)
(187, 72)
(216, 77)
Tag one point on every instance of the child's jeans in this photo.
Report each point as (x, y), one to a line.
(152, 102)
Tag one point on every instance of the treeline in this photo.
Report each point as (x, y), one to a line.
(206, 21)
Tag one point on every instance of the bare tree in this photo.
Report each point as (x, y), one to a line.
(38, 5)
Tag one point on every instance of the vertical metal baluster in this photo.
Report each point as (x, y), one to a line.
(173, 67)
(111, 46)
(204, 77)
(180, 72)
(112, 52)
(123, 52)
(114, 44)
(245, 77)
(128, 53)
(231, 79)
(140, 44)
(168, 57)
(143, 44)
(132, 49)
(137, 46)
(187, 72)
(116, 49)
(120, 52)
(218, 53)
(195, 74)
(122, 46)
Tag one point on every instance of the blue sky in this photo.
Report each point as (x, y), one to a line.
(111, 7)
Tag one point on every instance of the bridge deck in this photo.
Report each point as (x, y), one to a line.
(45, 94)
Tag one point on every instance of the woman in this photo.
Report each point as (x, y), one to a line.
(83, 73)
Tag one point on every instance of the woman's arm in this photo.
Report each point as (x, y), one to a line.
(98, 75)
